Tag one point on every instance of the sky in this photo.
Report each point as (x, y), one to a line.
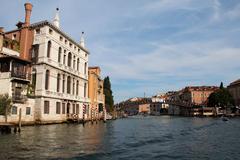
(148, 46)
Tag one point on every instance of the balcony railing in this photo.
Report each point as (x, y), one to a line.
(19, 98)
(19, 75)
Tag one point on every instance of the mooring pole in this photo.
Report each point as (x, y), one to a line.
(20, 120)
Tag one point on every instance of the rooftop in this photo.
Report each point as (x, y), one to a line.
(235, 82)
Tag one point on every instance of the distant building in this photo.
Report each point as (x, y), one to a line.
(234, 89)
(132, 105)
(191, 100)
(154, 106)
(158, 105)
(144, 108)
(95, 92)
(197, 95)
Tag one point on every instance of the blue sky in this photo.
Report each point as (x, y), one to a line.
(149, 46)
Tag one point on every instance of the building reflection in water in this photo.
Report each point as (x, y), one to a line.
(53, 141)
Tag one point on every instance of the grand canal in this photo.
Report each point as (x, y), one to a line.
(161, 137)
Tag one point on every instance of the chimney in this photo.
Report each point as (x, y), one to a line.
(28, 10)
(1, 38)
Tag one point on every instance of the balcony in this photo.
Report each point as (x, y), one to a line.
(23, 75)
(15, 67)
(19, 98)
(10, 52)
(11, 45)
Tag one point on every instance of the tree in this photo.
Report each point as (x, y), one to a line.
(221, 86)
(5, 105)
(109, 102)
(221, 98)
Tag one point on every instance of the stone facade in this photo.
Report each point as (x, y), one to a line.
(60, 66)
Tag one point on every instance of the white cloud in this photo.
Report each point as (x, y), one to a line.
(167, 5)
(216, 10)
(152, 45)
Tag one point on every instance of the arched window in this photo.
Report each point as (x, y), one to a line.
(69, 59)
(74, 61)
(47, 80)
(58, 82)
(69, 84)
(68, 108)
(63, 84)
(77, 87)
(78, 64)
(73, 88)
(49, 49)
(85, 89)
(85, 68)
(59, 54)
(64, 59)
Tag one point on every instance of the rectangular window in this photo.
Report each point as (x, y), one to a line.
(63, 108)
(14, 110)
(14, 37)
(37, 31)
(28, 110)
(50, 31)
(35, 51)
(73, 108)
(85, 89)
(46, 107)
(58, 105)
(77, 109)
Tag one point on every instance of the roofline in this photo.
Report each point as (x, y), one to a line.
(11, 31)
(236, 82)
(46, 22)
(94, 67)
(15, 57)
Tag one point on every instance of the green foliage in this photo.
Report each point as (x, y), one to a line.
(220, 98)
(30, 90)
(221, 86)
(109, 102)
(5, 104)
(13, 44)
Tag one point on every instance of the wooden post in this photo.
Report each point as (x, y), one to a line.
(78, 119)
(20, 120)
(83, 121)
(6, 113)
(104, 115)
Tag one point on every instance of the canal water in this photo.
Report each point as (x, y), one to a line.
(133, 138)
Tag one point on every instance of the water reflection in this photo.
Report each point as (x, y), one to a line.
(134, 138)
